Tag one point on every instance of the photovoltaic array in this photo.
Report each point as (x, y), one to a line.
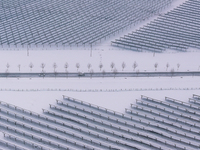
(177, 29)
(70, 22)
(74, 124)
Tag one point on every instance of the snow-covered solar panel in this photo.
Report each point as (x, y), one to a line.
(75, 124)
(177, 29)
(68, 22)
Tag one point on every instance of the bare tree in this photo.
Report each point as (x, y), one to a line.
(66, 66)
(79, 74)
(91, 73)
(178, 66)
(19, 66)
(167, 66)
(112, 65)
(123, 66)
(156, 66)
(89, 66)
(7, 66)
(100, 66)
(77, 66)
(135, 65)
(172, 72)
(7, 71)
(31, 66)
(55, 66)
(42, 66)
(115, 72)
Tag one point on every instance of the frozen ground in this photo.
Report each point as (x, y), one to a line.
(187, 60)
(115, 94)
(116, 101)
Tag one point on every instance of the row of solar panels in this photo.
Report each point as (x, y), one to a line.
(177, 29)
(74, 124)
(71, 22)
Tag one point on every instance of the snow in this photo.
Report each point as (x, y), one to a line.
(35, 94)
(187, 60)
(100, 83)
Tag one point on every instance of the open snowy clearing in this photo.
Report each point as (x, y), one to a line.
(145, 61)
(116, 101)
(112, 93)
(101, 83)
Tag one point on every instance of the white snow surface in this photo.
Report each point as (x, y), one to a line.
(187, 60)
(112, 93)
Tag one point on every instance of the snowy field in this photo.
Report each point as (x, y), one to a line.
(189, 61)
(112, 93)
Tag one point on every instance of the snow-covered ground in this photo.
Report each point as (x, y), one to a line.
(112, 93)
(116, 101)
(146, 61)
